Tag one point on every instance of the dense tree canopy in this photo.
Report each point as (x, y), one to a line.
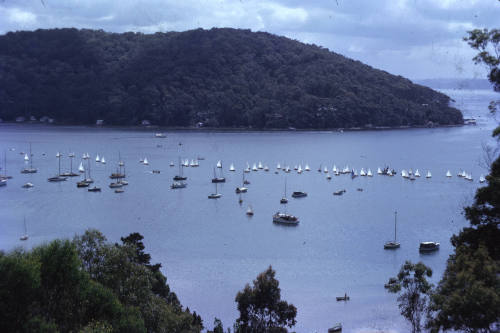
(221, 77)
(88, 285)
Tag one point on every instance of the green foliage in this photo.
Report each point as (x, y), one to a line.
(468, 296)
(261, 308)
(221, 77)
(413, 289)
(88, 285)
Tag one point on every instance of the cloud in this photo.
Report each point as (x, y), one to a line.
(415, 38)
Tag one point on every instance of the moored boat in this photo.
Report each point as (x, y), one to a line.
(284, 218)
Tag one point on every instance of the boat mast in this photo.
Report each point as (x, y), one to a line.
(31, 159)
(395, 216)
(59, 158)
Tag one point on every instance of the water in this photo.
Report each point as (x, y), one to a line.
(210, 249)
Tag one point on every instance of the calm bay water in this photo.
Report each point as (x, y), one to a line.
(209, 249)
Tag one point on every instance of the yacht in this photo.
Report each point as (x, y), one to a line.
(284, 218)
(58, 178)
(220, 179)
(335, 328)
(284, 200)
(393, 244)
(428, 247)
(94, 189)
(249, 211)
(27, 185)
(178, 185)
(215, 195)
(30, 159)
(299, 194)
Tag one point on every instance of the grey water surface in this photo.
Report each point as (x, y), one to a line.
(210, 249)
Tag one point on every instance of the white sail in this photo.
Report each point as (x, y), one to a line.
(97, 158)
(379, 171)
(362, 172)
(219, 164)
(278, 166)
(429, 175)
(103, 161)
(254, 167)
(231, 168)
(448, 173)
(260, 165)
(266, 168)
(325, 170)
(369, 174)
(482, 179)
(307, 168)
(417, 174)
(145, 162)
(81, 168)
(26, 158)
(58, 154)
(334, 168)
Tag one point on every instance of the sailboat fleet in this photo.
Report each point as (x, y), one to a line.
(179, 180)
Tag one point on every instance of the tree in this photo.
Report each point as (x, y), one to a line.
(261, 308)
(414, 289)
(468, 296)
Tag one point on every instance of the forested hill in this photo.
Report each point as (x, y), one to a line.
(220, 77)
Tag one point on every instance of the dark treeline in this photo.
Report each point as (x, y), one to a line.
(221, 77)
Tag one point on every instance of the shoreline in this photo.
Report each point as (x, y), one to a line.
(223, 129)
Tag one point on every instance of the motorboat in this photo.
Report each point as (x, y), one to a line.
(428, 247)
(299, 194)
(284, 218)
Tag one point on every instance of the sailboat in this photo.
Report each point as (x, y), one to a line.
(231, 168)
(448, 173)
(103, 161)
(482, 179)
(266, 168)
(306, 168)
(26, 158)
(249, 211)
(247, 169)
(242, 188)
(25, 236)
(180, 176)
(369, 174)
(284, 200)
(97, 159)
(260, 166)
(215, 195)
(254, 167)
(58, 178)
(219, 164)
(70, 173)
(429, 175)
(145, 161)
(362, 172)
(81, 169)
(417, 174)
(390, 245)
(278, 166)
(220, 179)
(379, 171)
(30, 169)
(4, 177)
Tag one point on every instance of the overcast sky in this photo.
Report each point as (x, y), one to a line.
(414, 38)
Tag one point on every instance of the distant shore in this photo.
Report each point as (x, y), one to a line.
(160, 129)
